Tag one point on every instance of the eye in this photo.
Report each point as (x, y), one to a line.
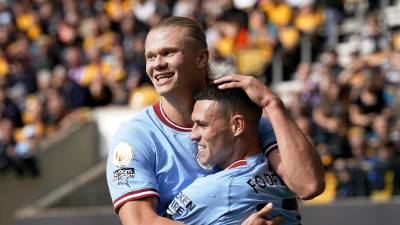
(150, 57)
(169, 53)
(201, 124)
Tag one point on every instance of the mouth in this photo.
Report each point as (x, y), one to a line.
(163, 77)
(201, 148)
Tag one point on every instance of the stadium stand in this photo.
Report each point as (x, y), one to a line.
(336, 64)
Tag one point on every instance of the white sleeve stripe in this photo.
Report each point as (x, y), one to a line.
(270, 148)
(135, 196)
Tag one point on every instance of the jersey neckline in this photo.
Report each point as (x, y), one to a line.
(161, 115)
(238, 163)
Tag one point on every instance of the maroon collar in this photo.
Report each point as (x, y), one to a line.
(237, 164)
(161, 115)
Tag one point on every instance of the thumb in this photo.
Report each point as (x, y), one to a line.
(266, 210)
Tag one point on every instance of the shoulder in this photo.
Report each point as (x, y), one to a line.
(140, 125)
(265, 124)
(136, 132)
(267, 137)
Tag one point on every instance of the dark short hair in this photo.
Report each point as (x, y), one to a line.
(234, 100)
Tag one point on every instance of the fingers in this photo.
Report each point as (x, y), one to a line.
(266, 210)
(275, 221)
(258, 218)
(231, 81)
(228, 78)
(232, 84)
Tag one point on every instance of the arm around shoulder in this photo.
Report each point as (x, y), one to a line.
(298, 163)
(296, 160)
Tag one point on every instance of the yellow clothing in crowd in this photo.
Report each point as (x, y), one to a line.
(26, 22)
(3, 67)
(279, 14)
(105, 70)
(308, 22)
(116, 9)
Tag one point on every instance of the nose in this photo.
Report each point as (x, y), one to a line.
(194, 135)
(160, 63)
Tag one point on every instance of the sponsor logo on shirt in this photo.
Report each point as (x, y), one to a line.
(263, 180)
(122, 176)
(180, 204)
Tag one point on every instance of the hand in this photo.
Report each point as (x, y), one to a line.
(258, 217)
(255, 89)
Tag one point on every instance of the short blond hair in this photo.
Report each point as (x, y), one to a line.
(192, 27)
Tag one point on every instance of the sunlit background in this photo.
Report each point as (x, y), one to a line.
(72, 71)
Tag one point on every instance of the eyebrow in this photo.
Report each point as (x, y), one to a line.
(163, 49)
(199, 121)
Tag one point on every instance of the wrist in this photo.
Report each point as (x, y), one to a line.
(272, 101)
(274, 107)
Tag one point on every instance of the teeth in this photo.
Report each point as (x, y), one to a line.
(163, 76)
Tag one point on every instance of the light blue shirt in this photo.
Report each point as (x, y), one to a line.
(232, 195)
(152, 157)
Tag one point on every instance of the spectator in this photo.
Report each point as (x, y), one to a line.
(54, 112)
(352, 181)
(88, 54)
(7, 144)
(388, 169)
(379, 131)
(277, 11)
(74, 95)
(370, 100)
(8, 109)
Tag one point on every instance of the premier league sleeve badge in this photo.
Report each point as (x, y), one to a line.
(122, 154)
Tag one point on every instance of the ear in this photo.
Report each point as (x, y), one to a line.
(238, 125)
(202, 59)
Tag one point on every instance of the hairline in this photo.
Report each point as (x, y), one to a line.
(185, 30)
(231, 107)
(227, 108)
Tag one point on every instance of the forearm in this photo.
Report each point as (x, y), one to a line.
(300, 165)
(141, 212)
(149, 220)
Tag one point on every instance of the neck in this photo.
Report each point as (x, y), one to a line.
(178, 110)
(178, 105)
(244, 148)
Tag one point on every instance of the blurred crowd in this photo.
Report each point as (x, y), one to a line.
(60, 59)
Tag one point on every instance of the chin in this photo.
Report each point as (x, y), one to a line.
(163, 90)
(203, 161)
(167, 90)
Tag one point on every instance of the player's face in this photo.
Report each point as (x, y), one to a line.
(171, 61)
(212, 131)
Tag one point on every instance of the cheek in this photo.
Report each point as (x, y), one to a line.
(178, 62)
(216, 141)
(148, 69)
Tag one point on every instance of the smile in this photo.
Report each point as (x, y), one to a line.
(201, 147)
(163, 76)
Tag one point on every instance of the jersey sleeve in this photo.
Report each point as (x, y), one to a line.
(130, 165)
(267, 136)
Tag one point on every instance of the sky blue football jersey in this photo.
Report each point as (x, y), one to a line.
(232, 195)
(150, 156)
